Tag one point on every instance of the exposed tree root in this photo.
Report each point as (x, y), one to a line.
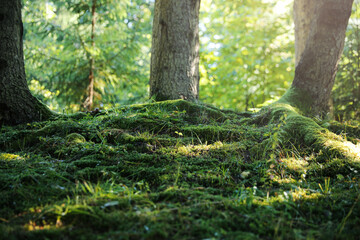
(311, 132)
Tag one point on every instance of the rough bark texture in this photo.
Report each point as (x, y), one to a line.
(175, 50)
(17, 105)
(304, 13)
(315, 72)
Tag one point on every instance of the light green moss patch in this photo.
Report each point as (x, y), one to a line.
(74, 138)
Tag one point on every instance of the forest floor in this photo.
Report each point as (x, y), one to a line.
(178, 170)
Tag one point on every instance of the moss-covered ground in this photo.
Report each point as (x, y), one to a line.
(179, 170)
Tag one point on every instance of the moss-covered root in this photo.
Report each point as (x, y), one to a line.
(192, 109)
(305, 130)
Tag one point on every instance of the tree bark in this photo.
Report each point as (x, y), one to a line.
(17, 105)
(88, 104)
(304, 14)
(315, 72)
(175, 50)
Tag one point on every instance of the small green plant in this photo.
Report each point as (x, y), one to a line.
(101, 136)
(275, 138)
(326, 189)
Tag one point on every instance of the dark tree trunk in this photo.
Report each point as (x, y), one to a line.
(315, 72)
(175, 50)
(17, 105)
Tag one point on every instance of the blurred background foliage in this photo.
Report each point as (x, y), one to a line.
(247, 53)
(346, 92)
(57, 50)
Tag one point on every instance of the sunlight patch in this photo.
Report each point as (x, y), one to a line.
(10, 157)
(347, 148)
(296, 164)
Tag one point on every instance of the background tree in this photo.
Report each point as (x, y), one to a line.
(17, 105)
(315, 72)
(58, 50)
(174, 70)
(88, 104)
(247, 53)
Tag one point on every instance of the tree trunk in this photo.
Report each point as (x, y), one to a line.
(315, 72)
(304, 13)
(175, 50)
(17, 105)
(88, 104)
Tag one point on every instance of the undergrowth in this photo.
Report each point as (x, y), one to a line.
(179, 170)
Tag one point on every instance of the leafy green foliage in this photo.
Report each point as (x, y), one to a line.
(58, 50)
(247, 52)
(346, 93)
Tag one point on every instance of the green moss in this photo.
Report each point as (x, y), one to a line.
(201, 111)
(347, 130)
(298, 99)
(8, 157)
(74, 138)
(306, 131)
(179, 170)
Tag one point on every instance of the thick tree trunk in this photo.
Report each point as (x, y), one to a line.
(304, 14)
(175, 50)
(315, 72)
(17, 105)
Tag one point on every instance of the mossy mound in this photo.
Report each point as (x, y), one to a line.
(74, 138)
(180, 170)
